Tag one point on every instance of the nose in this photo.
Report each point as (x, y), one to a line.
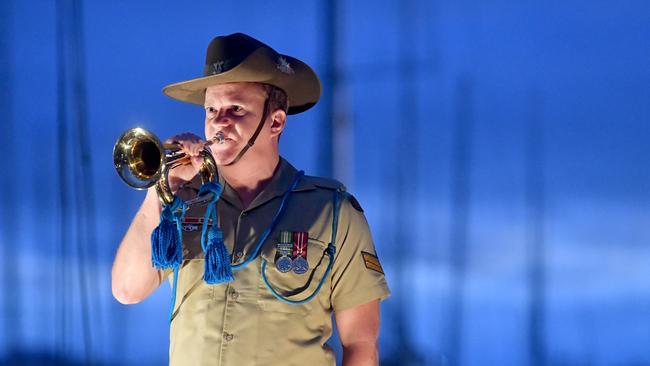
(219, 118)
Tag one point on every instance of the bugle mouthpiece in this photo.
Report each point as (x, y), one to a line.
(219, 138)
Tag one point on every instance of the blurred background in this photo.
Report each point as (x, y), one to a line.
(499, 149)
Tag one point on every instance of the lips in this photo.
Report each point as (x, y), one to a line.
(225, 140)
(224, 136)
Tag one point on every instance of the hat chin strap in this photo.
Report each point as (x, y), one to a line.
(251, 141)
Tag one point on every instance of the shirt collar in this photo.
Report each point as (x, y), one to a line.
(281, 181)
(279, 184)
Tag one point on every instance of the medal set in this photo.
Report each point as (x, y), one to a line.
(292, 252)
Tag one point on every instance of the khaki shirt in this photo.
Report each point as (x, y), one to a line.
(242, 323)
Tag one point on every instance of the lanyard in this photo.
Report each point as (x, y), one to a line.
(330, 251)
(269, 229)
(258, 247)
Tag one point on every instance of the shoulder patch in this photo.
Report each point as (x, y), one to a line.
(372, 262)
(354, 203)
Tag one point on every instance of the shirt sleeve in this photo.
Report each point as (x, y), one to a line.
(357, 275)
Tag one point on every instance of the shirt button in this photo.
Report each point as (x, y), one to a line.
(234, 295)
(239, 254)
(228, 337)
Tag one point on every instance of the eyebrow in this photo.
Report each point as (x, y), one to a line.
(235, 100)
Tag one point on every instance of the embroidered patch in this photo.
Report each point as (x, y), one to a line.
(283, 66)
(372, 262)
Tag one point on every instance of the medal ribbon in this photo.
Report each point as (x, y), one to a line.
(195, 220)
(300, 244)
(285, 246)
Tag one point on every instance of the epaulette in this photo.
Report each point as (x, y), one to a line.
(326, 183)
(334, 184)
(353, 201)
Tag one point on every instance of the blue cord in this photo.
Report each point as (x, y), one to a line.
(259, 245)
(330, 251)
(211, 210)
(180, 231)
(171, 311)
(267, 232)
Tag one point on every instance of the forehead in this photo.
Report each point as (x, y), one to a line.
(235, 92)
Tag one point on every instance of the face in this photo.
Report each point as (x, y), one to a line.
(236, 109)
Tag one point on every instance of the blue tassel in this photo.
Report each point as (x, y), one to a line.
(166, 239)
(217, 260)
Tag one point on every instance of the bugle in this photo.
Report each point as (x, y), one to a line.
(142, 161)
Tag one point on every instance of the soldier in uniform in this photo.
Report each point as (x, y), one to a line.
(299, 246)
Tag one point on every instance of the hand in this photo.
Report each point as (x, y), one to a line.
(192, 146)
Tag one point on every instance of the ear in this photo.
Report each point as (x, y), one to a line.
(278, 121)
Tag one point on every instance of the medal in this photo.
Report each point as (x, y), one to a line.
(284, 249)
(300, 264)
(284, 264)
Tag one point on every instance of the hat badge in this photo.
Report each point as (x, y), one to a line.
(218, 67)
(283, 66)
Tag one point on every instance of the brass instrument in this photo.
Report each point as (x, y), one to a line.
(141, 160)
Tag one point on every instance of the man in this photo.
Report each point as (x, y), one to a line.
(299, 246)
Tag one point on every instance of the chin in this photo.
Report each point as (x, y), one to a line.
(221, 158)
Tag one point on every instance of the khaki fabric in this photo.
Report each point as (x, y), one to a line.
(242, 323)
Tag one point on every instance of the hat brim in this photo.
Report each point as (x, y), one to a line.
(299, 81)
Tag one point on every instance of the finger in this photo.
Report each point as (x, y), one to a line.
(191, 148)
(183, 138)
(197, 148)
(197, 161)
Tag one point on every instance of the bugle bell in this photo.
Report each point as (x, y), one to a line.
(142, 161)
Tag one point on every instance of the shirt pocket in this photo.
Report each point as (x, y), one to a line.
(293, 286)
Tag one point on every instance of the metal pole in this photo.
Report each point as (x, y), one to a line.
(534, 183)
(11, 287)
(86, 238)
(460, 196)
(405, 163)
(325, 160)
(61, 278)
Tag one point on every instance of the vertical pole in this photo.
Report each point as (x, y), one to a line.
(76, 201)
(460, 196)
(61, 278)
(12, 331)
(86, 238)
(405, 163)
(534, 185)
(325, 154)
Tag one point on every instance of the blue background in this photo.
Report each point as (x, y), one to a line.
(500, 151)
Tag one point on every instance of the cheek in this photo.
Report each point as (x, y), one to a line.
(243, 124)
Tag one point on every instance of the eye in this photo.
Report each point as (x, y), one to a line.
(237, 109)
(210, 110)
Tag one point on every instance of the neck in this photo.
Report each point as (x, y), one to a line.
(248, 177)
